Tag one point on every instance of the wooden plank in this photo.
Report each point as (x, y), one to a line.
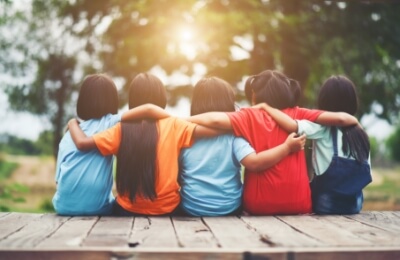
(277, 233)
(3, 214)
(71, 234)
(34, 232)
(100, 254)
(153, 232)
(376, 236)
(386, 220)
(346, 254)
(232, 232)
(13, 222)
(322, 230)
(193, 233)
(109, 232)
(56, 255)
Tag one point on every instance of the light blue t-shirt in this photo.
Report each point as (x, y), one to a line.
(210, 175)
(322, 145)
(84, 179)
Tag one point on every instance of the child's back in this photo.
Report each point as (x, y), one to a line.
(210, 169)
(84, 179)
(341, 155)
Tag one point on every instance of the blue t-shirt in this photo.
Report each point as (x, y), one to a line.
(84, 179)
(210, 175)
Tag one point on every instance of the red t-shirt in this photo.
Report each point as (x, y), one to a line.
(283, 188)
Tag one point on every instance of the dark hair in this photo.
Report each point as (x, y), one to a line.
(338, 94)
(136, 158)
(212, 94)
(274, 88)
(98, 96)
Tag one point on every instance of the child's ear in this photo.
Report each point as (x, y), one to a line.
(253, 98)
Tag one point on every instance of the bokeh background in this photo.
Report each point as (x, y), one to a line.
(48, 46)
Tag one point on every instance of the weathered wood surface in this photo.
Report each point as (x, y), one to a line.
(369, 235)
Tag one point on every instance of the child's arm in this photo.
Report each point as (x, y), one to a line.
(218, 120)
(203, 131)
(144, 111)
(80, 139)
(336, 119)
(325, 118)
(256, 162)
(286, 122)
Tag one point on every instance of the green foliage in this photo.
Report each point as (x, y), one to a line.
(374, 147)
(20, 146)
(389, 188)
(46, 206)
(393, 144)
(8, 194)
(309, 40)
(6, 168)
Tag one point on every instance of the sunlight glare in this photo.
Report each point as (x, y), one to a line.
(186, 34)
(186, 42)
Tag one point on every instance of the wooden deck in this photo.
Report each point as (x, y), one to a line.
(369, 235)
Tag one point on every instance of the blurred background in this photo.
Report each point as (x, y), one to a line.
(48, 46)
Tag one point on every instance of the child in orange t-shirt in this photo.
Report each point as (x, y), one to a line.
(147, 152)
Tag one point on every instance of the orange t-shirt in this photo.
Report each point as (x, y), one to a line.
(173, 134)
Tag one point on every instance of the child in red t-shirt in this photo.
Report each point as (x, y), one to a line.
(283, 188)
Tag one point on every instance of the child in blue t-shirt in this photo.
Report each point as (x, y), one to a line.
(340, 156)
(210, 170)
(84, 179)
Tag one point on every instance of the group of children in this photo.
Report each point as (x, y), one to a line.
(169, 165)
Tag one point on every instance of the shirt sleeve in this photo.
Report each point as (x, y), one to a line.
(312, 130)
(241, 148)
(239, 122)
(115, 119)
(108, 141)
(185, 131)
(308, 114)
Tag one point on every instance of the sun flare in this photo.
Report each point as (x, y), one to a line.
(186, 41)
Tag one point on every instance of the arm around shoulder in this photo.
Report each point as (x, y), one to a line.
(212, 119)
(82, 142)
(145, 111)
(336, 119)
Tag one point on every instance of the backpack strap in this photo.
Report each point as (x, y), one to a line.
(334, 140)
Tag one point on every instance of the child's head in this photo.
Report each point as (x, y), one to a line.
(273, 88)
(212, 94)
(98, 97)
(147, 88)
(338, 94)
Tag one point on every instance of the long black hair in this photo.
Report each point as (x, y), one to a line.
(137, 154)
(338, 94)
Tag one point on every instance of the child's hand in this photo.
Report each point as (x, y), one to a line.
(72, 122)
(262, 106)
(295, 142)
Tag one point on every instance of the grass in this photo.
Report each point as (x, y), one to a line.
(385, 193)
(6, 168)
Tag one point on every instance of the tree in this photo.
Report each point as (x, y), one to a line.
(308, 40)
(393, 144)
(49, 55)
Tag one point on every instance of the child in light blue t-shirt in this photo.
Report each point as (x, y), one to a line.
(84, 179)
(210, 170)
(340, 156)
